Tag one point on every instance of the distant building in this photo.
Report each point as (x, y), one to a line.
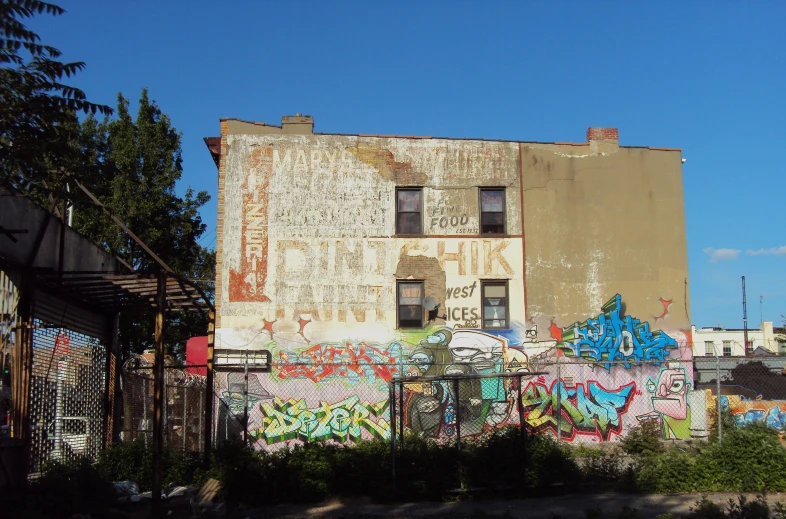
(731, 342)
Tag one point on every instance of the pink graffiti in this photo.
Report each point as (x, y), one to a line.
(325, 361)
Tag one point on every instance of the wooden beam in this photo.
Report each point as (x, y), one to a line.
(209, 404)
(158, 395)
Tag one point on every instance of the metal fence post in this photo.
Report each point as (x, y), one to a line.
(185, 415)
(392, 407)
(458, 412)
(718, 394)
(245, 402)
(559, 400)
(401, 414)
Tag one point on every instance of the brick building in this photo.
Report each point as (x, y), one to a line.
(355, 258)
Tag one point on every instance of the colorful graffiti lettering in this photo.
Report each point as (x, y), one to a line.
(355, 363)
(344, 421)
(613, 337)
(747, 412)
(595, 411)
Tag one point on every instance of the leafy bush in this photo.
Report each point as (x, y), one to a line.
(643, 440)
(133, 461)
(74, 487)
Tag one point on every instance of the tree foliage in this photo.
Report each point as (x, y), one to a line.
(132, 165)
(37, 107)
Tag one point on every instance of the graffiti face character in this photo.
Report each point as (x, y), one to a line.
(671, 394)
(483, 352)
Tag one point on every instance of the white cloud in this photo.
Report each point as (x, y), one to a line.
(717, 255)
(780, 251)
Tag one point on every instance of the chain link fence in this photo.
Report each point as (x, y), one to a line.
(572, 399)
(184, 404)
(67, 389)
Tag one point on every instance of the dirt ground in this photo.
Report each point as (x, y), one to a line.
(560, 507)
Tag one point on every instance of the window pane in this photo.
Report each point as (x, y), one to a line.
(494, 290)
(492, 223)
(494, 312)
(492, 201)
(408, 223)
(410, 316)
(410, 294)
(493, 324)
(409, 201)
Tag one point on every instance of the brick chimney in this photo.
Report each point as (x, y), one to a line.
(603, 134)
(297, 124)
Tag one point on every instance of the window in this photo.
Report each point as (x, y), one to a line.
(749, 349)
(408, 211)
(727, 348)
(492, 211)
(709, 349)
(410, 304)
(495, 304)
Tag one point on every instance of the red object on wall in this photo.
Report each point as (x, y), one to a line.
(196, 355)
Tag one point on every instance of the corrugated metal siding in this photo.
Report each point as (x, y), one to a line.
(54, 310)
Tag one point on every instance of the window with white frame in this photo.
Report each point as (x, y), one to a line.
(727, 348)
(709, 348)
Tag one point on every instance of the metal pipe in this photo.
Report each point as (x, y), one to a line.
(745, 317)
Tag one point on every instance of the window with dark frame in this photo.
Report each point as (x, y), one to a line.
(409, 205)
(494, 296)
(492, 211)
(410, 304)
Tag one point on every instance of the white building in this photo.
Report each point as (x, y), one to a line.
(731, 342)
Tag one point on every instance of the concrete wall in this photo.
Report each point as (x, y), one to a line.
(308, 260)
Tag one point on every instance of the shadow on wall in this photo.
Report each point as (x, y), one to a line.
(754, 380)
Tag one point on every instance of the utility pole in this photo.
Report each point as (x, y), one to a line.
(761, 309)
(745, 317)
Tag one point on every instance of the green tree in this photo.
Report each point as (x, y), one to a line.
(133, 166)
(37, 109)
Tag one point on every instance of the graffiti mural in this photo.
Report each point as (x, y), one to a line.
(285, 420)
(432, 407)
(354, 363)
(236, 384)
(612, 336)
(594, 411)
(745, 412)
(672, 403)
(596, 380)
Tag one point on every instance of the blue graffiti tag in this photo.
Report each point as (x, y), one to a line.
(613, 337)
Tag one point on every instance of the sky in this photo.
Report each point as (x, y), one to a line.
(708, 77)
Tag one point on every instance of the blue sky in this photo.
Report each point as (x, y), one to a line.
(707, 77)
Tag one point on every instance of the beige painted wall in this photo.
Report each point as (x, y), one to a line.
(601, 221)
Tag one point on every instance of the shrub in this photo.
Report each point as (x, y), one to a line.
(74, 487)
(643, 440)
(133, 461)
